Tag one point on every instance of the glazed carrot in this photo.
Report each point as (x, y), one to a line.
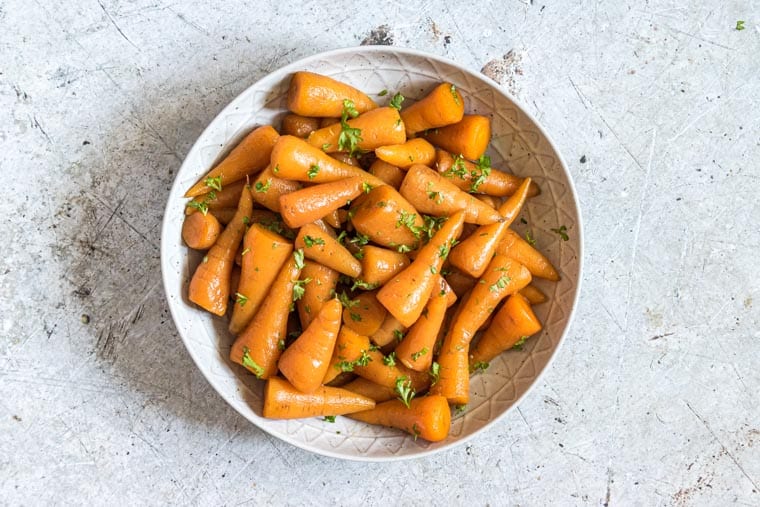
(390, 174)
(364, 314)
(234, 279)
(492, 201)
(378, 370)
(387, 218)
(326, 122)
(444, 289)
(200, 231)
(283, 401)
(482, 178)
(295, 159)
(333, 219)
(248, 157)
(380, 264)
(268, 188)
(514, 322)
(433, 194)
(319, 246)
(350, 348)
(260, 344)
(428, 417)
(317, 291)
(514, 247)
(210, 285)
(473, 254)
(305, 362)
(223, 215)
(453, 373)
(346, 158)
(414, 151)
(416, 349)
(390, 332)
(311, 203)
(264, 255)
(533, 294)
(299, 126)
(227, 197)
(460, 282)
(442, 106)
(371, 390)
(313, 94)
(406, 294)
(378, 127)
(469, 137)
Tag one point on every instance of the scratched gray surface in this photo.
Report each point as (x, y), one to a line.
(653, 400)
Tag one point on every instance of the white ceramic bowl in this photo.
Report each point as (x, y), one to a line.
(518, 143)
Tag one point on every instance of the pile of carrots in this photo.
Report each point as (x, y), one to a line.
(364, 256)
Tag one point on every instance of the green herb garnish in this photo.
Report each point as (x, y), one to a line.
(562, 231)
(390, 359)
(396, 101)
(519, 343)
(404, 390)
(263, 187)
(251, 364)
(215, 183)
(310, 241)
(299, 288)
(298, 256)
(419, 353)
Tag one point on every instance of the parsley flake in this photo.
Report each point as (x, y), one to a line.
(329, 418)
(404, 390)
(396, 101)
(390, 359)
(419, 353)
(215, 183)
(519, 343)
(263, 187)
(562, 231)
(251, 364)
(310, 241)
(435, 373)
(298, 256)
(241, 299)
(299, 288)
(479, 366)
(740, 24)
(500, 283)
(312, 172)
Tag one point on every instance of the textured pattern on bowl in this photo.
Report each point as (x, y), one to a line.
(518, 143)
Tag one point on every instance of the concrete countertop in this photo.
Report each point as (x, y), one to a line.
(653, 399)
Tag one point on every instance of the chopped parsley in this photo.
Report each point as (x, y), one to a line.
(366, 187)
(383, 93)
(457, 168)
(398, 334)
(562, 231)
(298, 256)
(346, 301)
(519, 343)
(435, 373)
(326, 146)
(355, 317)
(241, 299)
(740, 24)
(276, 169)
(396, 101)
(455, 94)
(403, 249)
(359, 240)
(404, 390)
(202, 206)
(251, 364)
(500, 283)
(299, 288)
(281, 344)
(460, 409)
(349, 137)
(529, 238)
(312, 172)
(419, 353)
(214, 183)
(363, 360)
(479, 366)
(329, 418)
(407, 220)
(433, 196)
(482, 172)
(263, 187)
(361, 284)
(310, 241)
(390, 359)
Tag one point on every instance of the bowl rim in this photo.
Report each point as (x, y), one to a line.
(297, 65)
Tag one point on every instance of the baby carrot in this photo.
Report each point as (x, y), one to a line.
(346, 158)
(317, 291)
(351, 348)
(371, 390)
(390, 332)
(378, 127)
(390, 174)
(431, 193)
(406, 294)
(299, 126)
(470, 136)
(414, 151)
(364, 314)
(295, 159)
(268, 188)
(313, 94)
(227, 197)
(305, 362)
(283, 401)
(260, 344)
(311, 203)
(460, 282)
(223, 215)
(533, 294)
(200, 231)
(442, 106)
(428, 417)
(319, 246)
(479, 178)
(416, 349)
(513, 323)
(210, 285)
(377, 369)
(387, 218)
(380, 264)
(473, 254)
(249, 156)
(514, 247)
(453, 381)
(264, 254)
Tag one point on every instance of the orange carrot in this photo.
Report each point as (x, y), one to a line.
(380, 264)
(427, 417)
(326, 122)
(268, 188)
(513, 323)
(224, 215)
(460, 282)
(200, 231)
(378, 127)
(305, 362)
(444, 289)
(390, 174)
(416, 349)
(453, 381)
(533, 294)
(317, 291)
(473, 254)
(210, 285)
(313, 94)
(442, 106)
(470, 136)
(364, 314)
(371, 390)
(264, 255)
(299, 126)
(319, 246)
(414, 151)
(283, 401)
(390, 332)
(248, 157)
(433, 194)
(387, 218)
(350, 348)
(260, 344)
(309, 204)
(406, 294)
(377, 369)
(227, 197)
(480, 178)
(346, 158)
(514, 247)
(295, 159)
(333, 218)
(492, 201)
